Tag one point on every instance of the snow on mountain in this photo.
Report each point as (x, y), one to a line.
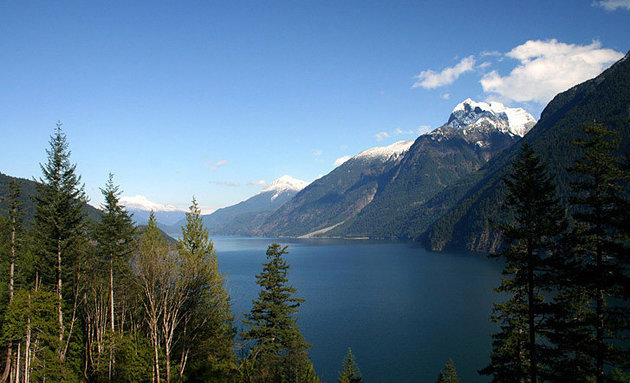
(469, 113)
(140, 202)
(284, 184)
(390, 152)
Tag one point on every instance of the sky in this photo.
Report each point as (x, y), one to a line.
(216, 99)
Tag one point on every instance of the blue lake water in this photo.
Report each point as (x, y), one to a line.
(403, 310)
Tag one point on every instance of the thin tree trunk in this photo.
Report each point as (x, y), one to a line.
(7, 368)
(59, 298)
(532, 330)
(599, 310)
(157, 358)
(27, 348)
(17, 365)
(111, 289)
(111, 295)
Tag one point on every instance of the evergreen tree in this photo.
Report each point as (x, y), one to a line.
(538, 221)
(279, 353)
(449, 374)
(206, 334)
(350, 372)
(115, 242)
(60, 229)
(591, 335)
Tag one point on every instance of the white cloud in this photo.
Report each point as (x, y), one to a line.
(429, 79)
(612, 5)
(141, 202)
(261, 183)
(446, 96)
(547, 68)
(225, 183)
(381, 136)
(318, 152)
(215, 165)
(490, 53)
(400, 132)
(341, 160)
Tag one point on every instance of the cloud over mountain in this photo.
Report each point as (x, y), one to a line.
(546, 68)
(429, 79)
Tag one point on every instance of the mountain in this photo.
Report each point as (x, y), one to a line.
(461, 212)
(29, 190)
(141, 207)
(339, 195)
(473, 134)
(244, 217)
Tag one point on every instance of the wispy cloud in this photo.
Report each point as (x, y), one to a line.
(446, 96)
(402, 132)
(318, 152)
(261, 183)
(341, 160)
(224, 183)
(430, 79)
(215, 165)
(612, 5)
(547, 68)
(380, 136)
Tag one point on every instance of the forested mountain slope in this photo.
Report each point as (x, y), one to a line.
(464, 209)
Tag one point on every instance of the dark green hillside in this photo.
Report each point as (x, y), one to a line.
(430, 165)
(331, 199)
(29, 189)
(472, 201)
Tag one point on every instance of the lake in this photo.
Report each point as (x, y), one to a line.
(403, 310)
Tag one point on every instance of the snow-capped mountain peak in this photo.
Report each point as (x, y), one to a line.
(392, 151)
(140, 202)
(284, 184)
(515, 121)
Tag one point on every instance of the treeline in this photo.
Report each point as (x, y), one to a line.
(102, 302)
(567, 270)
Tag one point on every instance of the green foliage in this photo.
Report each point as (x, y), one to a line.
(207, 334)
(448, 374)
(279, 353)
(532, 235)
(350, 372)
(596, 264)
(60, 221)
(115, 233)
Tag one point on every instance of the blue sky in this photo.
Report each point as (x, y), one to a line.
(213, 98)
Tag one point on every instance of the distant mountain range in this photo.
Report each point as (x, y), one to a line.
(245, 217)
(440, 189)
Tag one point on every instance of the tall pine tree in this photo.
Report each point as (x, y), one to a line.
(115, 243)
(538, 220)
(279, 353)
(60, 229)
(206, 333)
(597, 265)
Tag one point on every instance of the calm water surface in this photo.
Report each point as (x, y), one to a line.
(403, 310)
